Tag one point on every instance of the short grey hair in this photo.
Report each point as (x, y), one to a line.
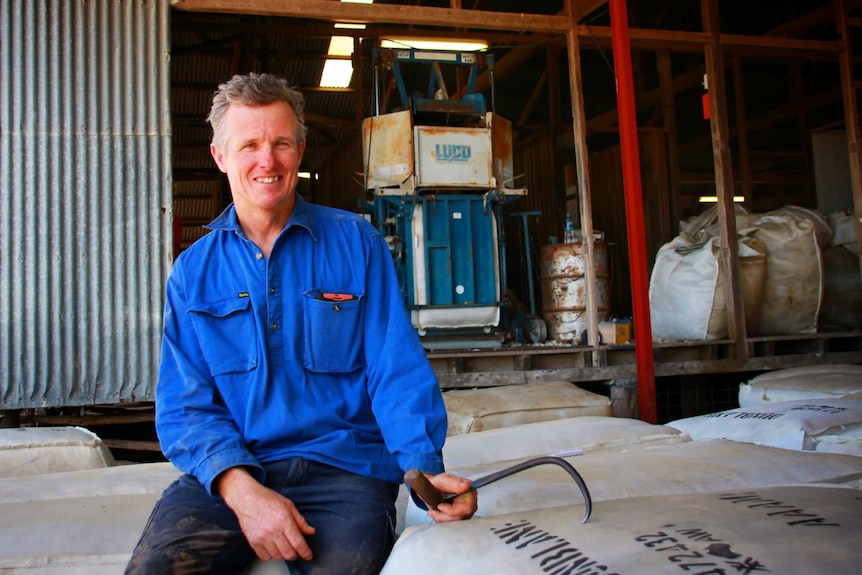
(255, 89)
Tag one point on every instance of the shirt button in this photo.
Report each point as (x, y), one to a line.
(271, 290)
(259, 256)
(275, 326)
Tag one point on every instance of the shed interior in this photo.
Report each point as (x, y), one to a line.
(784, 108)
(789, 106)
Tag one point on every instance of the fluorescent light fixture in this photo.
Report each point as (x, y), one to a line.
(358, 1)
(348, 26)
(714, 199)
(304, 175)
(433, 44)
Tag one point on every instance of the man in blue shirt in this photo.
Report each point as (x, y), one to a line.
(293, 391)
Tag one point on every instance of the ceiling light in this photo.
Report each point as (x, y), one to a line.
(358, 1)
(714, 199)
(435, 44)
(348, 26)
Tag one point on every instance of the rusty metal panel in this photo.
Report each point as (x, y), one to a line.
(501, 145)
(85, 187)
(387, 150)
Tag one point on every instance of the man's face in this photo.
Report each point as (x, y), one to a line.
(261, 157)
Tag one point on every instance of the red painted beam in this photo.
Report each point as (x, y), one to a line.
(634, 210)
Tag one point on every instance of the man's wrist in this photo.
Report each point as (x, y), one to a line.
(231, 481)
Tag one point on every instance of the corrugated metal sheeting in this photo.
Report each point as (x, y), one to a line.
(85, 199)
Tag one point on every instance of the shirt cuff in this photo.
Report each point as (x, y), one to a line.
(219, 462)
(431, 463)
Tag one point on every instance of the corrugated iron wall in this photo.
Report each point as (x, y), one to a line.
(85, 199)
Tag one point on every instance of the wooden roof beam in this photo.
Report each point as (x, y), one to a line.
(387, 13)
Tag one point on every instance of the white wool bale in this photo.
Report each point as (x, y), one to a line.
(795, 424)
(139, 478)
(67, 564)
(809, 382)
(472, 410)
(74, 534)
(698, 466)
(588, 433)
(35, 450)
(791, 529)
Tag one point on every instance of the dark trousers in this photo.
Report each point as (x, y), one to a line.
(190, 531)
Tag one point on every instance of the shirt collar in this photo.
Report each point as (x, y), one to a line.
(301, 216)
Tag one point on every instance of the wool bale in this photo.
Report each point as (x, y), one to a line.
(808, 382)
(784, 529)
(472, 410)
(35, 450)
(695, 466)
(588, 433)
(800, 424)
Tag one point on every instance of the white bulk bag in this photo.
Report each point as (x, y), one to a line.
(34, 450)
(587, 433)
(795, 529)
(793, 288)
(705, 225)
(698, 466)
(799, 424)
(809, 382)
(472, 410)
(686, 290)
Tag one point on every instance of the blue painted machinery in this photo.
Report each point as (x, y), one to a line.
(438, 171)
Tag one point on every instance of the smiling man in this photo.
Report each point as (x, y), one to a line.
(293, 391)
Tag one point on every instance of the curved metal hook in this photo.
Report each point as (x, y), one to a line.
(420, 484)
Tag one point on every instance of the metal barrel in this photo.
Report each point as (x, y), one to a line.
(564, 289)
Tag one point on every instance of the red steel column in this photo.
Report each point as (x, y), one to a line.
(634, 209)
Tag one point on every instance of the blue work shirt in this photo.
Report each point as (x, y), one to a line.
(258, 366)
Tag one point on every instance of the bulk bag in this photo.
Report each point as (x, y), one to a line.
(686, 290)
(793, 290)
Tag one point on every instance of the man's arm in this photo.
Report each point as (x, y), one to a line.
(195, 428)
(406, 397)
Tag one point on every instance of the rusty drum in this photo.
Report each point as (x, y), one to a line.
(564, 289)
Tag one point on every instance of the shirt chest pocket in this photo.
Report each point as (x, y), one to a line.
(226, 334)
(333, 335)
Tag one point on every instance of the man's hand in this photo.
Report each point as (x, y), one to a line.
(461, 507)
(271, 523)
